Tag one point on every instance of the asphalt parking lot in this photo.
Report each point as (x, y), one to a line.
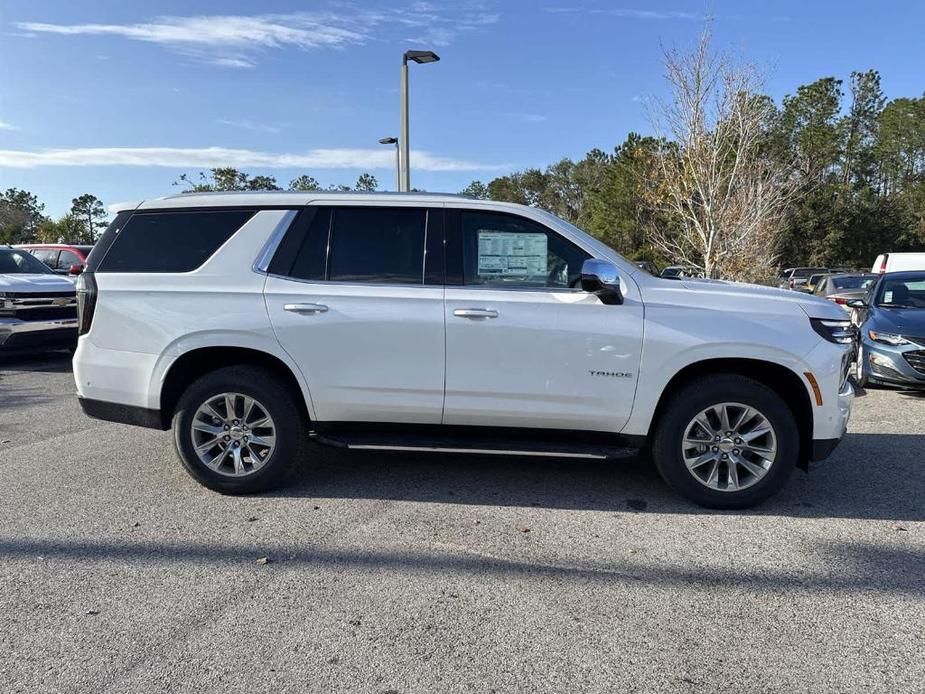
(397, 573)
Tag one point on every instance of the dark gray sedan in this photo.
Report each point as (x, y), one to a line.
(842, 288)
(892, 334)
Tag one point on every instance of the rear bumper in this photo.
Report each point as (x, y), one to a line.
(17, 334)
(123, 414)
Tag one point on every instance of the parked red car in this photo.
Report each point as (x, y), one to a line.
(63, 258)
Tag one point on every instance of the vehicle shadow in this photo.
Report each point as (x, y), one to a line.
(850, 567)
(870, 476)
(39, 362)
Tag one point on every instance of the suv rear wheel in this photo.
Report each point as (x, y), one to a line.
(726, 441)
(238, 430)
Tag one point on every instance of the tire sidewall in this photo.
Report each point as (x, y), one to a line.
(697, 397)
(276, 401)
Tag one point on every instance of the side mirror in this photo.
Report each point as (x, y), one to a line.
(600, 277)
(75, 269)
(856, 303)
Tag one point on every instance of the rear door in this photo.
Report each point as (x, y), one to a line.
(526, 347)
(355, 296)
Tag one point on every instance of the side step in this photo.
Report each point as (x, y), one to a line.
(479, 446)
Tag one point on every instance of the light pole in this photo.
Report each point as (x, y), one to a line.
(419, 57)
(394, 141)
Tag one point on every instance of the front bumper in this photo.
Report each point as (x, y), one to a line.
(18, 334)
(823, 448)
(887, 364)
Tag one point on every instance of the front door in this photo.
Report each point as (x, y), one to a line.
(525, 346)
(350, 300)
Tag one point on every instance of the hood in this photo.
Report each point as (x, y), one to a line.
(763, 299)
(904, 321)
(34, 282)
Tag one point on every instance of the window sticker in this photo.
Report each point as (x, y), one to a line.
(503, 254)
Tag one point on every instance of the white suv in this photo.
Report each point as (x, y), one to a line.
(254, 322)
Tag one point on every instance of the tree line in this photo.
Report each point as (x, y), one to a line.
(23, 219)
(832, 176)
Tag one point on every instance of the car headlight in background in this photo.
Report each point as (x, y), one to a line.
(887, 338)
(839, 331)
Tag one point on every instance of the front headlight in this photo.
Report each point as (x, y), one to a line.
(887, 338)
(838, 331)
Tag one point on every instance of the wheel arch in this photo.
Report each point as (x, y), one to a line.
(782, 380)
(199, 361)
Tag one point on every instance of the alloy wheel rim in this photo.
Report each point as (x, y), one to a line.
(233, 434)
(729, 447)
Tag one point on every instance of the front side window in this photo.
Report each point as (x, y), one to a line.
(68, 258)
(168, 241)
(511, 252)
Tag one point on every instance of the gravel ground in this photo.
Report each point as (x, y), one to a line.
(404, 573)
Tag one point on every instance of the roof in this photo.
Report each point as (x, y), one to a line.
(261, 198)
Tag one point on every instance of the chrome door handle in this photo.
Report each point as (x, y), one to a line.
(475, 313)
(305, 308)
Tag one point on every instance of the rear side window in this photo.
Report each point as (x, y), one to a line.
(374, 245)
(170, 241)
(377, 245)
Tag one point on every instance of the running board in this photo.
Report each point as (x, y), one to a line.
(473, 446)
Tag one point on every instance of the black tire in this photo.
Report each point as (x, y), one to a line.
(274, 396)
(695, 397)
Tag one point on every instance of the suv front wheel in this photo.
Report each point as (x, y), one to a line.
(238, 430)
(726, 441)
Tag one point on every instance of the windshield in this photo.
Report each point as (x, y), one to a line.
(853, 281)
(13, 262)
(902, 292)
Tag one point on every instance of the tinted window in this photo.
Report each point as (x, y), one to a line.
(302, 252)
(170, 241)
(385, 245)
(508, 251)
(68, 258)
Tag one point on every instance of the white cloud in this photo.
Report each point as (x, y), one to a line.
(207, 157)
(249, 125)
(235, 40)
(7, 126)
(630, 13)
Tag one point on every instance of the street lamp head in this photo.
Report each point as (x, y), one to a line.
(388, 141)
(421, 56)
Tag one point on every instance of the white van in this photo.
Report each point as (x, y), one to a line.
(898, 262)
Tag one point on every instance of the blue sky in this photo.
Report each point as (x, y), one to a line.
(119, 98)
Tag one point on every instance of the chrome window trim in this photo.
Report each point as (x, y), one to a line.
(262, 263)
(336, 283)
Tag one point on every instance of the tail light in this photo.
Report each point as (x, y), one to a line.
(790, 284)
(840, 300)
(883, 263)
(86, 301)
